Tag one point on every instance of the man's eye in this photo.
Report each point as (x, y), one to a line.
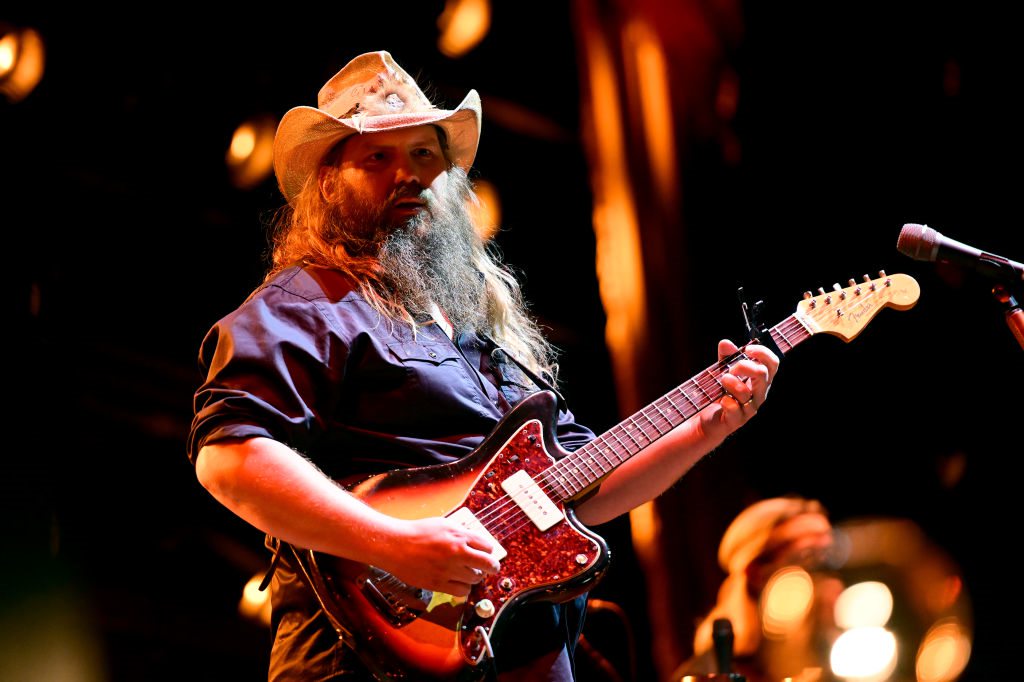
(424, 152)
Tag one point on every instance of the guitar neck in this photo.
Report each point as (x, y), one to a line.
(586, 466)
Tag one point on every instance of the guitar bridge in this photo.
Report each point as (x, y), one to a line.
(398, 602)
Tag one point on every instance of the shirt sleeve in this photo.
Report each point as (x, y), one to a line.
(572, 435)
(269, 366)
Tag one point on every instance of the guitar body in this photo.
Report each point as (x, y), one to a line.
(393, 627)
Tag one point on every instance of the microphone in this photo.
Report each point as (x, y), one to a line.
(921, 242)
(721, 635)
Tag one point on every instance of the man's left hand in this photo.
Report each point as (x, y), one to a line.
(746, 385)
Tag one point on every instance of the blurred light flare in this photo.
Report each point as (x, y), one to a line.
(250, 156)
(485, 212)
(786, 601)
(463, 24)
(242, 143)
(22, 59)
(255, 604)
(652, 91)
(865, 604)
(864, 654)
(944, 652)
(8, 46)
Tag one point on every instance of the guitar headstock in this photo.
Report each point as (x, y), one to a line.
(844, 312)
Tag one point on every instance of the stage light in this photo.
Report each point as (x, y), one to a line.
(944, 652)
(486, 211)
(255, 604)
(250, 156)
(865, 604)
(864, 655)
(463, 24)
(786, 601)
(22, 56)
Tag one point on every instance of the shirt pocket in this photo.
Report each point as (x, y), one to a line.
(409, 352)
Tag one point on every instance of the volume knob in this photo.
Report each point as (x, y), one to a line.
(485, 608)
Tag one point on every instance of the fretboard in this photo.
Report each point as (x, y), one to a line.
(575, 473)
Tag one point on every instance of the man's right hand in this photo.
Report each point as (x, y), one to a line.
(439, 554)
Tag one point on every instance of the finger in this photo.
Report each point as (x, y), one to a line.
(482, 560)
(470, 575)
(479, 542)
(457, 589)
(754, 374)
(726, 348)
(764, 356)
(736, 388)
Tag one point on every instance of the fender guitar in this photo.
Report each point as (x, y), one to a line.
(518, 486)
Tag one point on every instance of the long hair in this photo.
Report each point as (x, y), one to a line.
(307, 232)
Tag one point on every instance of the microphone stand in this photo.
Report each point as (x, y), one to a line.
(1014, 313)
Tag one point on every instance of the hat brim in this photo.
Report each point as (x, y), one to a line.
(306, 134)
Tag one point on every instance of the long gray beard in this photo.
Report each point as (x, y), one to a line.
(429, 258)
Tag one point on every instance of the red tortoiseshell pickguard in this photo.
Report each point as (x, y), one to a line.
(537, 560)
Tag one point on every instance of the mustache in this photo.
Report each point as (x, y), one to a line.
(412, 190)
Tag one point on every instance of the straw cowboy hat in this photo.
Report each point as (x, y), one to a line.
(370, 94)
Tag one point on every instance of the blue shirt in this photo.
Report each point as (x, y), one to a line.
(305, 360)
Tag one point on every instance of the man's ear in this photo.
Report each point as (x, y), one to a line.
(327, 178)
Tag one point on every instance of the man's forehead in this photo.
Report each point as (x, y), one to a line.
(402, 136)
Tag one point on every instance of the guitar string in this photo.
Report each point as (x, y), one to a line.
(509, 511)
(647, 413)
(547, 483)
(489, 515)
(784, 329)
(791, 325)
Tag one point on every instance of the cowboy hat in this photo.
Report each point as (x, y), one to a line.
(370, 94)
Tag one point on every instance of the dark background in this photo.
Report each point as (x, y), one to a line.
(127, 241)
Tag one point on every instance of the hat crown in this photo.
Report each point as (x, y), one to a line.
(372, 84)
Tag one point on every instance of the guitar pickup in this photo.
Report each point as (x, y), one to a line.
(525, 492)
(468, 521)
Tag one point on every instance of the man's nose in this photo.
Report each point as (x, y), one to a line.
(406, 172)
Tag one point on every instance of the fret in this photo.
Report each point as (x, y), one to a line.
(678, 409)
(570, 471)
(630, 428)
(653, 423)
(782, 334)
(612, 433)
(690, 400)
(618, 458)
(701, 388)
(588, 461)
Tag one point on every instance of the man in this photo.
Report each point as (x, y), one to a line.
(773, 538)
(386, 336)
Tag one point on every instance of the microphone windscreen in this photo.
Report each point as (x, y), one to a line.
(920, 242)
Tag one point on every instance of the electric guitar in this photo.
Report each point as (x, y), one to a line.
(517, 486)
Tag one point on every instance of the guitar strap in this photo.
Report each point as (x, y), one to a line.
(533, 376)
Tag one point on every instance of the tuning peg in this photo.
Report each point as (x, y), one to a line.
(821, 290)
(881, 273)
(842, 294)
(866, 279)
(853, 282)
(807, 295)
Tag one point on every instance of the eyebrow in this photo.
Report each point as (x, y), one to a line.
(425, 140)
